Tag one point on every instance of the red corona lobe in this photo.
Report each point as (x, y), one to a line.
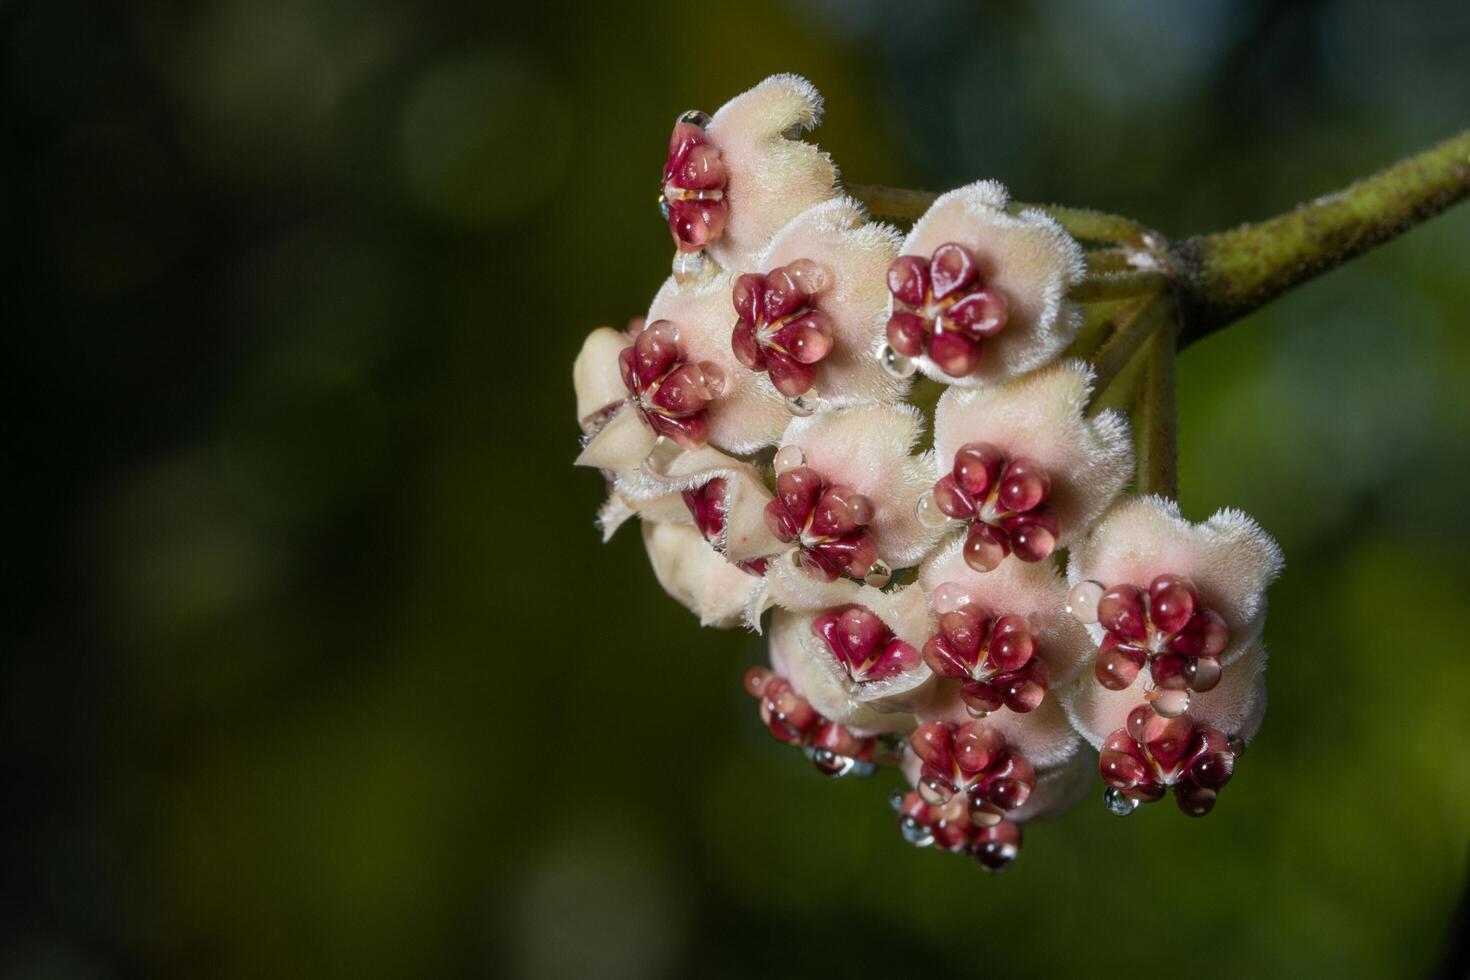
(1152, 755)
(780, 330)
(833, 747)
(1004, 499)
(864, 645)
(994, 658)
(706, 504)
(670, 391)
(827, 523)
(693, 191)
(941, 308)
(1165, 627)
(972, 763)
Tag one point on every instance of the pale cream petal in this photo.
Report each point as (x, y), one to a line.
(696, 575)
(868, 448)
(1036, 591)
(1042, 416)
(1027, 256)
(751, 413)
(856, 253)
(595, 374)
(772, 178)
(1229, 558)
(745, 534)
(621, 444)
(1235, 706)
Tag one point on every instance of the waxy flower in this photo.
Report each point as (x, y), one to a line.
(1000, 639)
(979, 294)
(733, 179)
(1145, 754)
(811, 313)
(699, 577)
(1022, 467)
(1183, 599)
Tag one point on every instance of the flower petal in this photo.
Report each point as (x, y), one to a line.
(867, 447)
(772, 178)
(621, 443)
(856, 253)
(696, 575)
(745, 534)
(1235, 706)
(750, 413)
(595, 374)
(1229, 558)
(1036, 591)
(1041, 416)
(1028, 256)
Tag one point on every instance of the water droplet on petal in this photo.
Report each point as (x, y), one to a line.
(695, 117)
(928, 513)
(801, 405)
(1118, 803)
(951, 597)
(879, 574)
(663, 207)
(895, 363)
(690, 267)
(1082, 601)
(895, 800)
(934, 791)
(915, 833)
(788, 458)
(1172, 704)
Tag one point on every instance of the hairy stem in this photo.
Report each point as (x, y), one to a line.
(1224, 276)
(1118, 285)
(1148, 316)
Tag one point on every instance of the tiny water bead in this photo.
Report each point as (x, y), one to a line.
(692, 197)
(973, 764)
(1083, 599)
(864, 645)
(1152, 755)
(787, 458)
(994, 658)
(1119, 803)
(827, 523)
(780, 329)
(896, 364)
(949, 828)
(1163, 626)
(1003, 499)
(671, 392)
(942, 309)
(832, 748)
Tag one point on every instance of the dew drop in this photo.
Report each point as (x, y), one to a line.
(895, 363)
(788, 458)
(801, 405)
(976, 712)
(690, 267)
(928, 513)
(1171, 703)
(895, 800)
(879, 574)
(915, 833)
(1083, 599)
(695, 117)
(934, 792)
(663, 207)
(1118, 803)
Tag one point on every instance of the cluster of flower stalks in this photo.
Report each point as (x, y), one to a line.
(906, 564)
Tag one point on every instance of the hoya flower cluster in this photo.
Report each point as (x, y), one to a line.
(904, 567)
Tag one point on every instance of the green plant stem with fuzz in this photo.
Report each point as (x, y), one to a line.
(1158, 297)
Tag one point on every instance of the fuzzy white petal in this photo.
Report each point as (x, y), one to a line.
(595, 374)
(1229, 558)
(696, 575)
(751, 413)
(1235, 706)
(772, 178)
(1027, 256)
(1042, 416)
(745, 534)
(621, 444)
(1036, 591)
(868, 447)
(837, 235)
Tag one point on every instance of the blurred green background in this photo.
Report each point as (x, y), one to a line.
(315, 666)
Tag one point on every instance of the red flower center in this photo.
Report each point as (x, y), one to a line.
(867, 649)
(833, 748)
(828, 524)
(1164, 626)
(1152, 754)
(973, 762)
(670, 391)
(707, 506)
(941, 308)
(950, 828)
(1005, 502)
(994, 658)
(780, 330)
(692, 198)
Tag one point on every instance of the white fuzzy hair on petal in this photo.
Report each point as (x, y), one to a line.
(620, 444)
(697, 575)
(751, 413)
(745, 534)
(1229, 558)
(1235, 706)
(596, 377)
(1027, 256)
(1042, 416)
(868, 448)
(856, 253)
(772, 178)
(1036, 591)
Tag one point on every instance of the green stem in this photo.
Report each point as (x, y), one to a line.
(1158, 462)
(1226, 275)
(1114, 355)
(1119, 285)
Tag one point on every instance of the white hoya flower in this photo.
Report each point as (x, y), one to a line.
(699, 577)
(979, 294)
